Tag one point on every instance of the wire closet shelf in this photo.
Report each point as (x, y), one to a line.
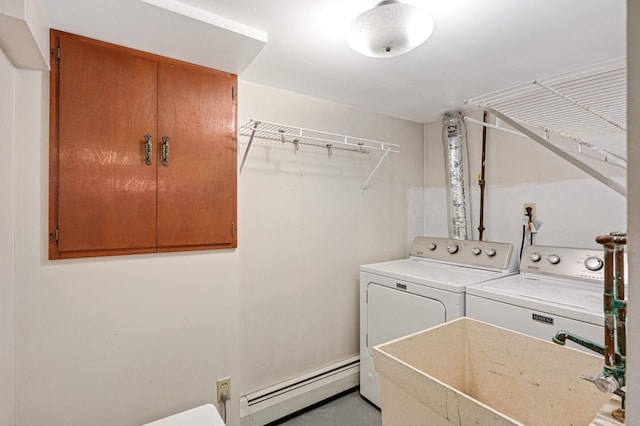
(586, 107)
(306, 137)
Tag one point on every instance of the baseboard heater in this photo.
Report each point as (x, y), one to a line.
(275, 402)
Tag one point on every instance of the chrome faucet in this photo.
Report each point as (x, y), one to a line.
(612, 378)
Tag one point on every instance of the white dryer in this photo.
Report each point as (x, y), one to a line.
(558, 288)
(404, 296)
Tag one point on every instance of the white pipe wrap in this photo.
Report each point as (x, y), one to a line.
(454, 135)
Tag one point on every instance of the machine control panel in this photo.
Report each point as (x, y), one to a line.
(482, 254)
(564, 262)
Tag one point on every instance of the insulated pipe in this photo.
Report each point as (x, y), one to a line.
(454, 137)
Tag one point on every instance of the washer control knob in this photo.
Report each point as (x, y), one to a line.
(554, 259)
(535, 257)
(476, 251)
(432, 246)
(490, 252)
(593, 263)
(452, 248)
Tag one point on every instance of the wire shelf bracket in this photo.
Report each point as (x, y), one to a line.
(561, 153)
(300, 136)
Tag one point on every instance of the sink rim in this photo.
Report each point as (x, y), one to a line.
(590, 399)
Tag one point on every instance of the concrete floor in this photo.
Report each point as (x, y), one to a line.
(347, 409)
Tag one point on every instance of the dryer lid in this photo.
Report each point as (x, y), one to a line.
(432, 274)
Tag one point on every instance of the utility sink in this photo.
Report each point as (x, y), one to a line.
(467, 372)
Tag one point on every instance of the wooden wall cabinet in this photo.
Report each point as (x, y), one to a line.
(142, 155)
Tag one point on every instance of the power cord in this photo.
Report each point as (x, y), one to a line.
(224, 397)
(524, 234)
(530, 225)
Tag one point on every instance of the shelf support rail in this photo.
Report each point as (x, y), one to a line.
(560, 152)
(246, 151)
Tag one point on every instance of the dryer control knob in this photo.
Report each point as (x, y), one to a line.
(452, 249)
(554, 259)
(432, 246)
(593, 263)
(490, 252)
(476, 251)
(535, 257)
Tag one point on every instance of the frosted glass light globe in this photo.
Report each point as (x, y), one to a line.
(389, 29)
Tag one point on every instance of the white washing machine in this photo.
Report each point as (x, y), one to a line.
(404, 296)
(558, 288)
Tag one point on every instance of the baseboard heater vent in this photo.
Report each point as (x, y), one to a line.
(275, 402)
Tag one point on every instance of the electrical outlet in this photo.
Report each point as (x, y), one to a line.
(223, 385)
(533, 209)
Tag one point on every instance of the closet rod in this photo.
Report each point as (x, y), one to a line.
(492, 126)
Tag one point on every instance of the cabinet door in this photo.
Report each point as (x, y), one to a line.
(103, 195)
(197, 188)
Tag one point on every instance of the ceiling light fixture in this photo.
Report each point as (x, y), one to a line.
(389, 29)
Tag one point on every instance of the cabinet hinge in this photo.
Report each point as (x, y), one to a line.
(55, 234)
(56, 54)
(233, 93)
(234, 230)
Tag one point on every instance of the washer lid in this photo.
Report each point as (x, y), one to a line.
(432, 274)
(571, 299)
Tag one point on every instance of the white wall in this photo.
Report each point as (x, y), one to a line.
(573, 207)
(7, 390)
(124, 340)
(305, 227)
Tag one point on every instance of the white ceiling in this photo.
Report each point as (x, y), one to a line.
(478, 46)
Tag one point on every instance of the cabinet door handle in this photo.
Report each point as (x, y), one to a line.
(148, 150)
(165, 151)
